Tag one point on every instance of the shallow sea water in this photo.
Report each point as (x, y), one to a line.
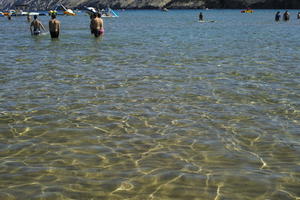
(161, 107)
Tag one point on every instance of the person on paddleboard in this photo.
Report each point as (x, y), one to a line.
(200, 16)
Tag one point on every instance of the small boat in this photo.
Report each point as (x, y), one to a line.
(19, 13)
(66, 11)
(108, 12)
(69, 12)
(50, 12)
(9, 13)
(22, 13)
(90, 10)
(247, 11)
(207, 21)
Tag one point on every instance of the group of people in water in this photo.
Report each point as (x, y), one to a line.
(36, 26)
(97, 25)
(285, 17)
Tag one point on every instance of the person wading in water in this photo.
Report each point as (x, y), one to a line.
(97, 26)
(277, 16)
(37, 26)
(54, 26)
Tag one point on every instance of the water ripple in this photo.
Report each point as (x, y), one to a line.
(161, 107)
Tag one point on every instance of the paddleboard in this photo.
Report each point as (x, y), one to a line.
(209, 21)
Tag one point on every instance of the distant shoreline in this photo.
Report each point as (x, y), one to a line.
(81, 7)
(74, 8)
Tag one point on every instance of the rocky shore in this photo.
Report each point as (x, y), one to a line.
(155, 4)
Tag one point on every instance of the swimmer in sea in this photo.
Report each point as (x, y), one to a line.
(54, 26)
(97, 26)
(200, 16)
(92, 17)
(37, 26)
(277, 16)
(286, 16)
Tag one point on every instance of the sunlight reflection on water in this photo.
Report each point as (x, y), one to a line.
(162, 107)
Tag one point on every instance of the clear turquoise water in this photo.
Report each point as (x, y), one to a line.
(162, 107)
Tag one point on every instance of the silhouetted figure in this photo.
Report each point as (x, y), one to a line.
(200, 16)
(286, 16)
(277, 16)
(298, 15)
(92, 17)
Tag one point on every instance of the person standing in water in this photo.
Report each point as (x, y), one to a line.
(277, 16)
(92, 17)
(97, 25)
(54, 26)
(37, 26)
(200, 16)
(286, 16)
(298, 15)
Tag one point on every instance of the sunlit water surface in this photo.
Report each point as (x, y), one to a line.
(161, 107)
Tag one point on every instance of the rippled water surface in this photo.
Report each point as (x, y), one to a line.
(161, 107)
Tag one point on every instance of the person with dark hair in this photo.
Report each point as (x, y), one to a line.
(54, 26)
(200, 16)
(92, 17)
(286, 16)
(97, 25)
(277, 16)
(37, 26)
(298, 15)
